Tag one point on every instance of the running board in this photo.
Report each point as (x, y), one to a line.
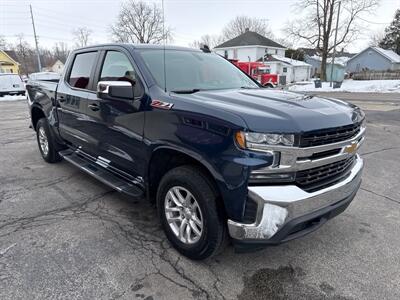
(102, 174)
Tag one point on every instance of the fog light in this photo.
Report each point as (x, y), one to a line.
(273, 218)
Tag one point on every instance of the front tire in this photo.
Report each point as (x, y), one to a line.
(47, 145)
(188, 210)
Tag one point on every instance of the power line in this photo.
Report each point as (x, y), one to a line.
(376, 23)
(36, 41)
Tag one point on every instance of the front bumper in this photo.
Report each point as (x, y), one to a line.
(286, 212)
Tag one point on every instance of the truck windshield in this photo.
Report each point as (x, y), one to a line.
(193, 71)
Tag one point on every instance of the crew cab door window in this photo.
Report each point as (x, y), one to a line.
(81, 70)
(117, 67)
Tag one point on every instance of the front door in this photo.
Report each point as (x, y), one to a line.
(116, 125)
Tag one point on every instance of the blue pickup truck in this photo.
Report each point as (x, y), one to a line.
(220, 156)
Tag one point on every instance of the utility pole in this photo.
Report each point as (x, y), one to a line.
(334, 45)
(36, 40)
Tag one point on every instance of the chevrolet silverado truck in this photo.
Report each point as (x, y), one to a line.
(221, 157)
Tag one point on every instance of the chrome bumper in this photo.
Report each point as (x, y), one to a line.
(278, 205)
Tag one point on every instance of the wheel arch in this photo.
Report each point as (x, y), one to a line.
(159, 166)
(36, 114)
(269, 85)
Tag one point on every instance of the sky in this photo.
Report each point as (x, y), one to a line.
(190, 19)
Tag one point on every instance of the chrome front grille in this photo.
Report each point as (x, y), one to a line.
(311, 168)
(321, 177)
(329, 136)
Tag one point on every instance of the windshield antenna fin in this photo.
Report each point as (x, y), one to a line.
(205, 48)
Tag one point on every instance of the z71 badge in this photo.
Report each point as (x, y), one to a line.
(161, 104)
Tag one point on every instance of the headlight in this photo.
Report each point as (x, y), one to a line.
(261, 141)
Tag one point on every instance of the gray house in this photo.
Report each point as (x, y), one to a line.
(313, 57)
(375, 59)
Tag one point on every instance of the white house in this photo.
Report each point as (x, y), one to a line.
(294, 70)
(56, 67)
(249, 46)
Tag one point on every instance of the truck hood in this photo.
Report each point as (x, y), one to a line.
(266, 110)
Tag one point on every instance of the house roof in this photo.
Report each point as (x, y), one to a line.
(286, 60)
(290, 61)
(393, 56)
(339, 60)
(388, 54)
(11, 54)
(315, 52)
(250, 38)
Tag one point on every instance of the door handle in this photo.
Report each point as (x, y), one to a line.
(94, 107)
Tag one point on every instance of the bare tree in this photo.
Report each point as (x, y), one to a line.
(139, 22)
(3, 43)
(82, 36)
(376, 37)
(60, 51)
(317, 27)
(26, 55)
(207, 39)
(240, 24)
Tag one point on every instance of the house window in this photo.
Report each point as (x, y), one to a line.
(226, 53)
(276, 51)
(284, 70)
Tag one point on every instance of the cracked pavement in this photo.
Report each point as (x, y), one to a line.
(64, 235)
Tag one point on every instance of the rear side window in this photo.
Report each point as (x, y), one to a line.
(117, 67)
(81, 70)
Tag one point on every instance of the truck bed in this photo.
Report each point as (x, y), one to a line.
(48, 88)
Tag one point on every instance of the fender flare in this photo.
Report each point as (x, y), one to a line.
(192, 154)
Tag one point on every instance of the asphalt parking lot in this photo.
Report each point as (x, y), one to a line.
(64, 235)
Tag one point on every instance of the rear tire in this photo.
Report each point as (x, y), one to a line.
(48, 147)
(198, 210)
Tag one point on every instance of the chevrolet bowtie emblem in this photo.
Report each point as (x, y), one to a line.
(351, 148)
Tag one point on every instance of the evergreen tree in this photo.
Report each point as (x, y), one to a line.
(392, 35)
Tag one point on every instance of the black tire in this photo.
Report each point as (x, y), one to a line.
(214, 235)
(52, 155)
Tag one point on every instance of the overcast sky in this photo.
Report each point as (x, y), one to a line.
(55, 19)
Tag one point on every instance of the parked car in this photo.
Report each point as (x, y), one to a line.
(218, 154)
(11, 84)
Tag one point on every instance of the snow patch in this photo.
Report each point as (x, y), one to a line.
(358, 86)
(12, 98)
(291, 61)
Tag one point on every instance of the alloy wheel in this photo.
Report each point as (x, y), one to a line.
(183, 215)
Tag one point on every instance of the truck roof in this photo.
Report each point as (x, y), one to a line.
(139, 46)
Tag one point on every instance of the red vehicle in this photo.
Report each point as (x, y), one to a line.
(259, 71)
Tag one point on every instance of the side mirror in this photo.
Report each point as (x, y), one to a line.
(115, 89)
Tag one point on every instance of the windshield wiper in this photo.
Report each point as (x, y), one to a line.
(189, 91)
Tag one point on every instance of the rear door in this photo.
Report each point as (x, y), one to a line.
(116, 126)
(72, 96)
